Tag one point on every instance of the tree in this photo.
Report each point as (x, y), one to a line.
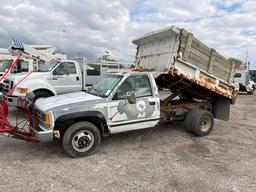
(237, 62)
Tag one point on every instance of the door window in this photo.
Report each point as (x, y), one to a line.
(24, 66)
(65, 68)
(60, 70)
(138, 84)
(71, 68)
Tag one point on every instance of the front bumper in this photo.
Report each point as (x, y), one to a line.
(42, 135)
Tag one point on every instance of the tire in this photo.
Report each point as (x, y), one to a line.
(201, 122)
(81, 139)
(188, 119)
(41, 94)
(252, 91)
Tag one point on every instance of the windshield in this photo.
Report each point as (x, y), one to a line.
(48, 66)
(5, 65)
(105, 86)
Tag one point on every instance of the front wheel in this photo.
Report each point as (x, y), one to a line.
(81, 139)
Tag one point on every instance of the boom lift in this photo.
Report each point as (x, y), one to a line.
(18, 131)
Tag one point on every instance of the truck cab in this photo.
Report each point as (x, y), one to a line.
(117, 103)
(55, 77)
(52, 78)
(244, 81)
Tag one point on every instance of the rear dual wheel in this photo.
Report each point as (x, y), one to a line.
(199, 122)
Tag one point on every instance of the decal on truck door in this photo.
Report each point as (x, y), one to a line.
(123, 114)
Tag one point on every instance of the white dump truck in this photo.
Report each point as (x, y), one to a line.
(199, 80)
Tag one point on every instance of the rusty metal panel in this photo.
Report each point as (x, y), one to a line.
(204, 79)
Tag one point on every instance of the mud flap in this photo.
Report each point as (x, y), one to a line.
(221, 108)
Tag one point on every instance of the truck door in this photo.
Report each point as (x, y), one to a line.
(144, 113)
(66, 79)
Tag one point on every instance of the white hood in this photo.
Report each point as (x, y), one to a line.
(61, 100)
(34, 75)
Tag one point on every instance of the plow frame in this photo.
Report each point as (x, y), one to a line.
(21, 130)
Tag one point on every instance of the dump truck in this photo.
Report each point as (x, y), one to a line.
(198, 80)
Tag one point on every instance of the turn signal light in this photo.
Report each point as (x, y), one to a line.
(47, 118)
(23, 90)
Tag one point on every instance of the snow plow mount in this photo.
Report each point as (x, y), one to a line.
(19, 131)
(22, 128)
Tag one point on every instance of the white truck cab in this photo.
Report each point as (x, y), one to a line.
(52, 78)
(243, 80)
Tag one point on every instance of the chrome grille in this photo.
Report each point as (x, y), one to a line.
(7, 85)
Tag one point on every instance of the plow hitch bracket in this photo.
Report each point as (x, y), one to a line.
(22, 128)
(18, 131)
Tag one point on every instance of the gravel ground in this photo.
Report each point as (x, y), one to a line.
(166, 158)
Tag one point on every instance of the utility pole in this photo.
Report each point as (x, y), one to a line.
(246, 58)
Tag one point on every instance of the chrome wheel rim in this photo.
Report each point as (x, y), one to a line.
(83, 140)
(205, 124)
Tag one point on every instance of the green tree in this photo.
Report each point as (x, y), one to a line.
(238, 62)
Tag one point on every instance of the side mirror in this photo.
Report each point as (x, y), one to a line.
(131, 98)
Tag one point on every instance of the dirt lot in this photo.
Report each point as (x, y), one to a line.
(166, 158)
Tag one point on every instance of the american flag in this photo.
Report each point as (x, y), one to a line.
(17, 43)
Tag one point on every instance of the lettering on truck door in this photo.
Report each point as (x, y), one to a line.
(124, 116)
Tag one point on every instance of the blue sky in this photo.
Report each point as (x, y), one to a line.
(91, 27)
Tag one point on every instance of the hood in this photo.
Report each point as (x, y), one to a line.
(78, 98)
(34, 75)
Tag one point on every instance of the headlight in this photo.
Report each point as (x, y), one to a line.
(23, 90)
(43, 119)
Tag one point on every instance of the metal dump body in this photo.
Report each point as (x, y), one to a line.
(173, 54)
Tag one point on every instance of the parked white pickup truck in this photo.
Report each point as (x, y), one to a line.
(52, 78)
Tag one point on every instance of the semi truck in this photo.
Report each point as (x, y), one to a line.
(244, 80)
(199, 80)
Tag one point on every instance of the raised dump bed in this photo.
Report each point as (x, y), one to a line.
(185, 65)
